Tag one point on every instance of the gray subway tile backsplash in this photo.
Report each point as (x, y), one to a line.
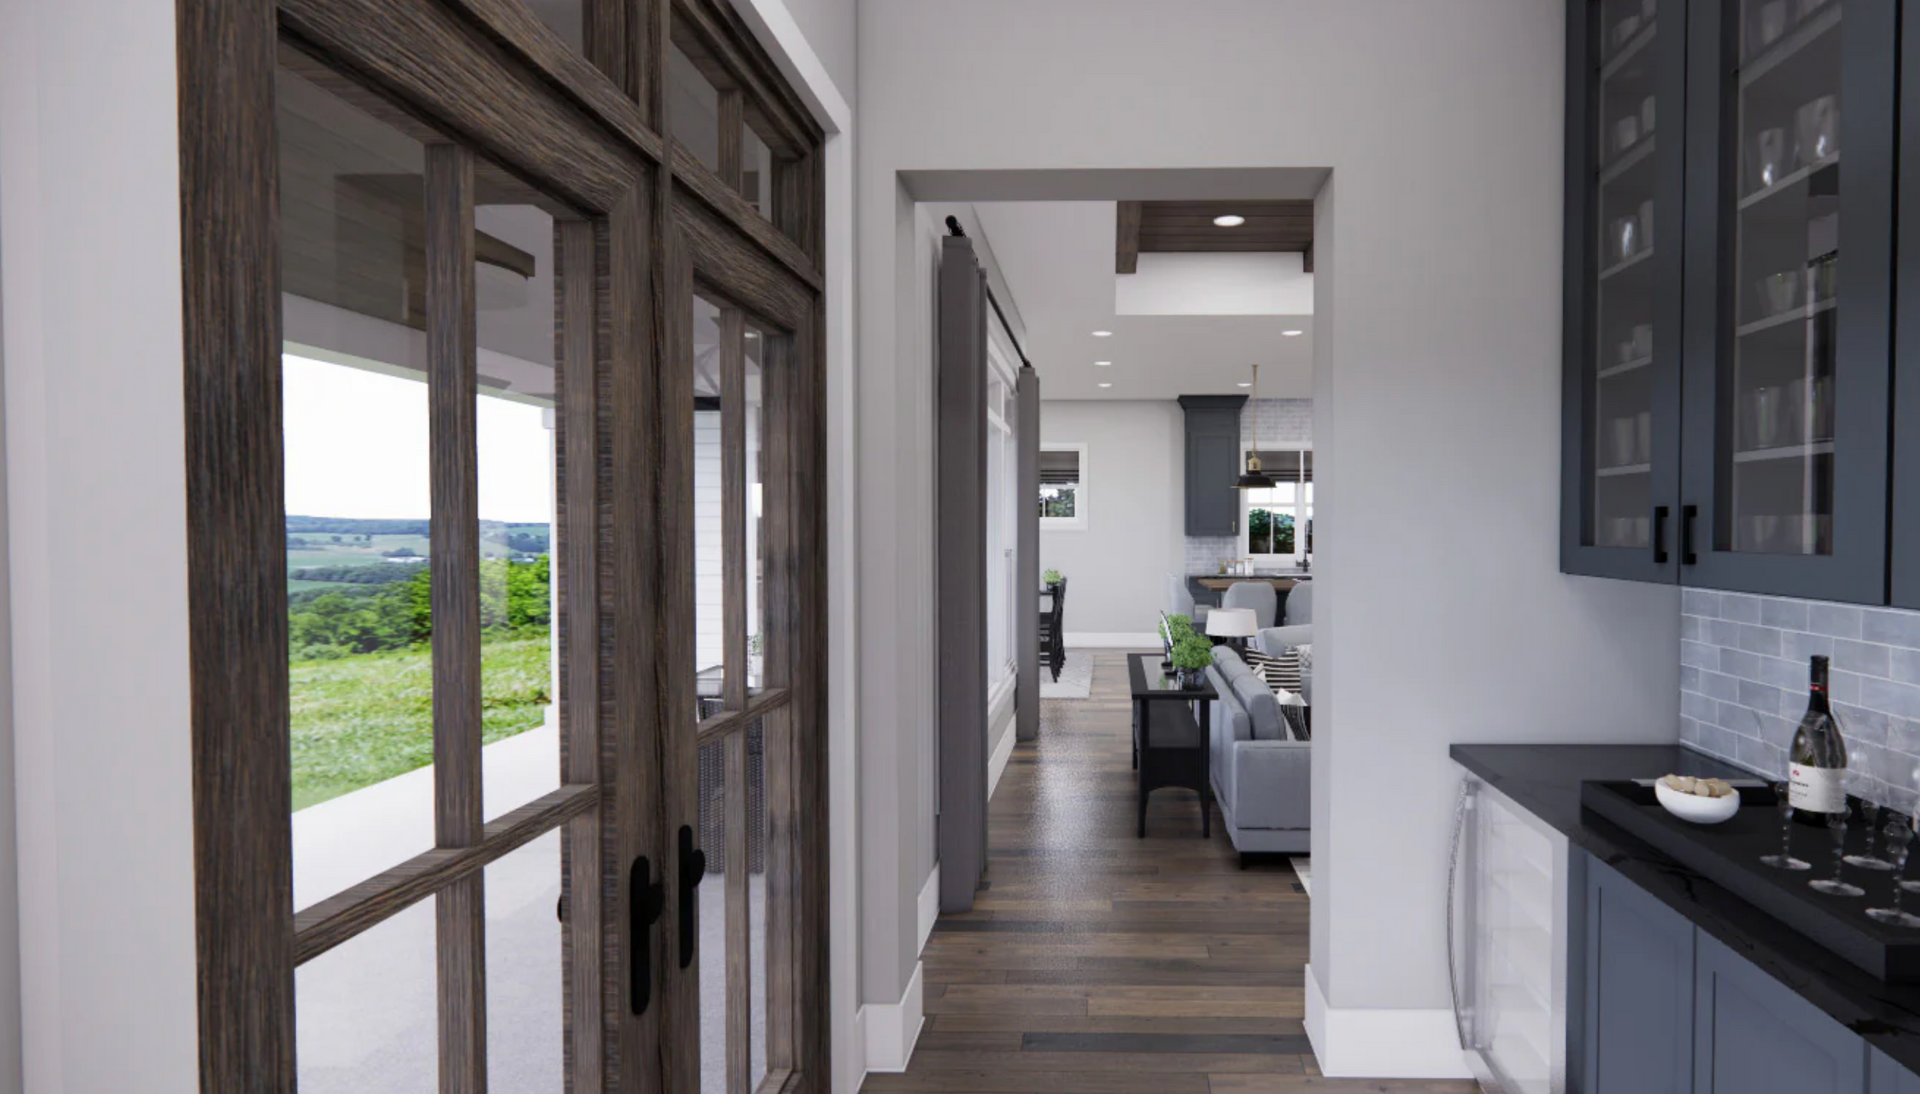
(1743, 679)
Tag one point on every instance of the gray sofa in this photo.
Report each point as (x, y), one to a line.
(1261, 775)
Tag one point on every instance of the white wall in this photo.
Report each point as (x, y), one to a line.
(90, 218)
(829, 27)
(1439, 409)
(10, 1073)
(1135, 502)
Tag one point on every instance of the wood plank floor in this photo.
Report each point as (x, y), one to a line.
(1098, 963)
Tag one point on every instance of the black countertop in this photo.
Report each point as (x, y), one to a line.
(1545, 780)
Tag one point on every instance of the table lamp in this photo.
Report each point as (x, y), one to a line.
(1236, 625)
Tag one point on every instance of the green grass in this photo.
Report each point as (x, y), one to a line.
(366, 718)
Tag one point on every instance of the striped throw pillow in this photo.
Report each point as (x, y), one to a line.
(1281, 673)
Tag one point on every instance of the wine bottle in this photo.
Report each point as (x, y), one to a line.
(1817, 771)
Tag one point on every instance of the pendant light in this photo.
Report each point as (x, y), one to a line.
(1254, 478)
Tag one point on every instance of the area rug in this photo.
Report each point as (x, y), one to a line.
(1303, 866)
(1076, 678)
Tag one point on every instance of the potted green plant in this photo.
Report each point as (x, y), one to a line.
(1174, 628)
(1051, 577)
(1192, 655)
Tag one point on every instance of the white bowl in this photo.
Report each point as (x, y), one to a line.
(1698, 810)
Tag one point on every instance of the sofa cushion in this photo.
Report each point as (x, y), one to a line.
(1293, 712)
(1281, 672)
(1263, 710)
(1230, 665)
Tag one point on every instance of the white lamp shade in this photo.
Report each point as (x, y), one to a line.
(1232, 623)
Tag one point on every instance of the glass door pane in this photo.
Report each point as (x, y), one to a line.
(1778, 388)
(1786, 398)
(1622, 378)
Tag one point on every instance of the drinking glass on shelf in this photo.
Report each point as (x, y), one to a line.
(1817, 130)
(1770, 25)
(1784, 860)
(1626, 237)
(1642, 340)
(1769, 157)
(1836, 886)
(1623, 442)
(1872, 804)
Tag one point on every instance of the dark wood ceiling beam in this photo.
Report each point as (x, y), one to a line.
(1126, 252)
(1188, 227)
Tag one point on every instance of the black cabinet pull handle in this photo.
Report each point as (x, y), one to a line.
(1659, 535)
(693, 867)
(1687, 515)
(646, 899)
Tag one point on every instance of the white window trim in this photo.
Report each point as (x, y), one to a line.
(1078, 521)
(1299, 508)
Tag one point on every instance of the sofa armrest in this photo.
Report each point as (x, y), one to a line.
(1271, 784)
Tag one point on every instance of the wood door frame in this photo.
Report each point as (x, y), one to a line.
(592, 135)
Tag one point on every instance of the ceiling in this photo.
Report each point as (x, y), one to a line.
(1058, 261)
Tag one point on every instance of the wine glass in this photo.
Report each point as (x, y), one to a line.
(1872, 794)
(1784, 860)
(1899, 842)
(1837, 828)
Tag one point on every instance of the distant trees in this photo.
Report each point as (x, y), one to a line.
(515, 600)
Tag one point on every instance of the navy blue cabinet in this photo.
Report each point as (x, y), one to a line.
(1725, 418)
(1886, 1077)
(1638, 1010)
(1753, 1033)
(1213, 463)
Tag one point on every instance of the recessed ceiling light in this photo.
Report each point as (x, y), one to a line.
(1293, 333)
(753, 334)
(1103, 364)
(1244, 383)
(1230, 220)
(1103, 334)
(1106, 385)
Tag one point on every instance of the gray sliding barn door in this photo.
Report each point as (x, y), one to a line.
(961, 569)
(1026, 568)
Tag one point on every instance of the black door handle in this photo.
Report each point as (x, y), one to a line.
(645, 901)
(1659, 535)
(1687, 515)
(693, 867)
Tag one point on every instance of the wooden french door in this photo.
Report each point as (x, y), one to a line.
(509, 722)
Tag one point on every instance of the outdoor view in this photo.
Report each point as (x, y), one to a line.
(358, 606)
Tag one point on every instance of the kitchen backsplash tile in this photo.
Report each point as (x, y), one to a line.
(1743, 679)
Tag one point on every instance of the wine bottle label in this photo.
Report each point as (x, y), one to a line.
(1816, 789)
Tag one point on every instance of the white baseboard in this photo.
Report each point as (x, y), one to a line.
(1369, 1043)
(1111, 640)
(892, 1028)
(997, 763)
(929, 906)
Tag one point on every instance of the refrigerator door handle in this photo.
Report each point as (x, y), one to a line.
(1462, 804)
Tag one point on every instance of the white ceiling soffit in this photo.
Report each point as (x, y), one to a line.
(1215, 283)
(1117, 184)
(1057, 258)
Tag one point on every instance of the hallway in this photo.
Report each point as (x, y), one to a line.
(1098, 963)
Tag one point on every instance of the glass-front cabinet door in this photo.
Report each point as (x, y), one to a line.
(1623, 318)
(1790, 107)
